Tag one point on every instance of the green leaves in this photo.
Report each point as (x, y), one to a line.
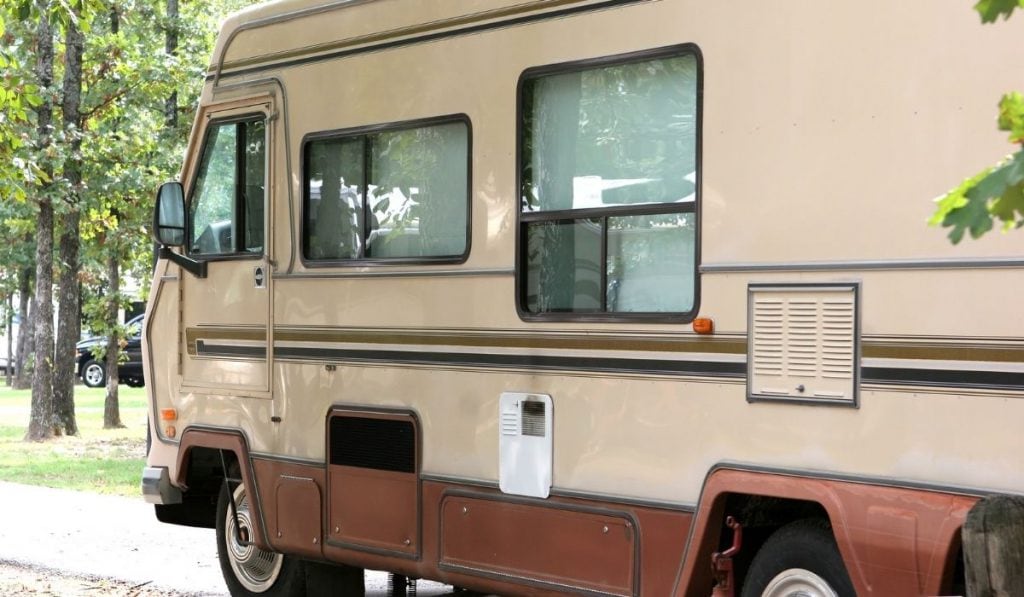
(990, 10)
(1011, 116)
(997, 193)
(994, 194)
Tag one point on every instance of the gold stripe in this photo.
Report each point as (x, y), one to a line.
(932, 352)
(413, 30)
(709, 345)
(589, 342)
(224, 333)
(929, 351)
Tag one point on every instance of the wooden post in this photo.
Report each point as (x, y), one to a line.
(993, 543)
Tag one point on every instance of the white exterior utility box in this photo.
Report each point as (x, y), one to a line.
(524, 444)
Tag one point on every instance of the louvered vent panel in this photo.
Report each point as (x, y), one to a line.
(533, 418)
(510, 424)
(803, 342)
(379, 444)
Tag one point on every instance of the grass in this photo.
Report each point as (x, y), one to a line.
(98, 460)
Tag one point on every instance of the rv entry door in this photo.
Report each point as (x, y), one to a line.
(226, 315)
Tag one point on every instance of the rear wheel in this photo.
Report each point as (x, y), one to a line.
(250, 570)
(799, 560)
(94, 374)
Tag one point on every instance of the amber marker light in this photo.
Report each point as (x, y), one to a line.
(703, 325)
(168, 414)
(170, 431)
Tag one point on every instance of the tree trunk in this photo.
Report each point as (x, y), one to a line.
(111, 406)
(171, 48)
(69, 323)
(9, 365)
(41, 421)
(26, 309)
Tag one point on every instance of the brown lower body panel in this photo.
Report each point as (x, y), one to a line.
(482, 539)
(895, 540)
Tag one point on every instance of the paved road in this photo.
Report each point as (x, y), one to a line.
(119, 538)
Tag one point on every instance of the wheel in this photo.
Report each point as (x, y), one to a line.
(133, 382)
(249, 570)
(800, 559)
(94, 374)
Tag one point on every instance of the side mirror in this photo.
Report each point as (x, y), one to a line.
(169, 227)
(169, 215)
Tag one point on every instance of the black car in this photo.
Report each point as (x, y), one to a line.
(92, 367)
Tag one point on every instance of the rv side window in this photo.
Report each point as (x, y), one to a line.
(608, 171)
(394, 193)
(226, 207)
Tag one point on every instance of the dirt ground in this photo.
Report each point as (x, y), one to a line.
(17, 579)
(69, 543)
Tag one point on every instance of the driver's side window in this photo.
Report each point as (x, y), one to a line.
(226, 206)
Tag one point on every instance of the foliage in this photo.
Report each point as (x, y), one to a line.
(121, 141)
(996, 193)
(126, 147)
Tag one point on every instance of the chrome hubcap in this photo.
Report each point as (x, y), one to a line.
(94, 374)
(797, 582)
(257, 569)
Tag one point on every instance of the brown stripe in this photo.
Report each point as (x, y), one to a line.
(928, 351)
(709, 345)
(931, 352)
(373, 38)
(590, 342)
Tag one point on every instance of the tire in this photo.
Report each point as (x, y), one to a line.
(248, 570)
(801, 558)
(94, 374)
(334, 580)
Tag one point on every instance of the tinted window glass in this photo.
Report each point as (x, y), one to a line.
(400, 193)
(228, 195)
(609, 187)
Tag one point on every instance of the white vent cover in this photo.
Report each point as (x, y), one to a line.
(524, 444)
(803, 343)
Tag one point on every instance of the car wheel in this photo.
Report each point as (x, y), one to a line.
(801, 558)
(94, 374)
(249, 570)
(134, 383)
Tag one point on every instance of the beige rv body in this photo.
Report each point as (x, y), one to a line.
(825, 133)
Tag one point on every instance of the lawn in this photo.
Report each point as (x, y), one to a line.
(99, 460)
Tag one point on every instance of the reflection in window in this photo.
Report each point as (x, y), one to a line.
(228, 194)
(400, 193)
(650, 263)
(560, 251)
(609, 184)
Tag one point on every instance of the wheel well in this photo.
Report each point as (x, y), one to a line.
(954, 580)
(761, 516)
(204, 478)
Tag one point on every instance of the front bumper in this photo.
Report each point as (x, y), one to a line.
(157, 488)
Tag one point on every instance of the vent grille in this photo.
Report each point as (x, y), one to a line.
(379, 444)
(533, 418)
(510, 423)
(803, 342)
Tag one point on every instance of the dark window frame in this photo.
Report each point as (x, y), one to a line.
(525, 218)
(238, 251)
(365, 131)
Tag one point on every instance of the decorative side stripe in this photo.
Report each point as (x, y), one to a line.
(381, 42)
(925, 349)
(943, 378)
(474, 340)
(512, 361)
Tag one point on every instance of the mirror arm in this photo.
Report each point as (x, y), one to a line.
(196, 268)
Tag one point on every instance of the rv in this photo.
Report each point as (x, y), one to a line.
(601, 297)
